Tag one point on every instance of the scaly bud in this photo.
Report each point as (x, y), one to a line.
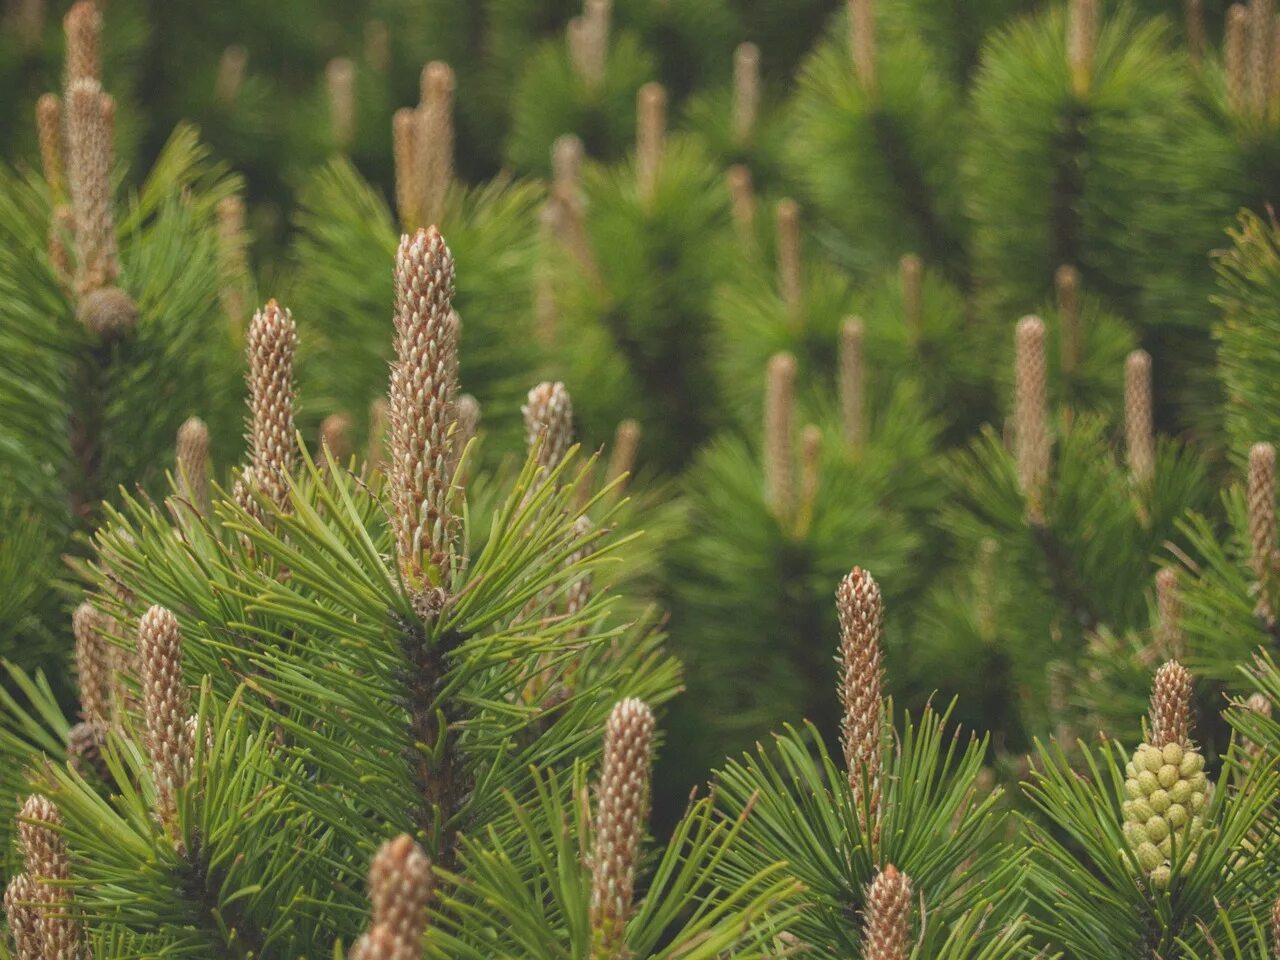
(340, 82)
(743, 198)
(911, 273)
(862, 41)
(89, 154)
(1235, 56)
(548, 423)
(404, 135)
(433, 152)
(746, 92)
(885, 931)
(48, 864)
(166, 704)
(779, 402)
(93, 663)
(1031, 428)
(1067, 282)
(270, 346)
(861, 614)
(401, 886)
(651, 133)
(231, 70)
(622, 809)
(853, 385)
(423, 413)
(626, 441)
(49, 132)
(1082, 42)
(787, 223)
(83, 27)
(193, 463)
(21, 919)
(1262, 523)
(1171, 706)
(1140, 441)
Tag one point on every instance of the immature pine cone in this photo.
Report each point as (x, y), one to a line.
(20, 914)
(166, 704)
(193, 463)
(622, 809)
(89, 162)
(93, 663)
(48, 864)
(885, 933)
(779, 404)
(423, 413)
(861, 614)
(271, 344)
(1140, 439)
(1031, 426)
(401, 886)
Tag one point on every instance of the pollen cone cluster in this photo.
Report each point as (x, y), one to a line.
(1165, 786)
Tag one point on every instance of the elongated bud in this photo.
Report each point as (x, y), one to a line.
(1171, 706)
(1067, 282)
(1262, 522)
(166, 704)
(270, 347)
(335, 436)
(433, 152)
(423, 413)
(404, 135)
(810, 466)
(626, 442)
(746, 92)
(49, 132)
(886, 929)
(911, 273)
(1262, 28)
(861, 614)
(48, 864)
(1140, 440)
(779, 403)
(1031, 428)
(743, 199)
(93, 663)
(89, 173)
(651, 133)
(588, 39)
(233, 261)
(622, 810)
(1082, 42)
(340, 83)
(401, 887)
(862, 41)
(83, 27)
(21, 919)
(1169, 640)
(548, 423)
(853, 385)
(232, 66)
(789, 281)
(1195, 31)
(193, 463)
(1235, 55)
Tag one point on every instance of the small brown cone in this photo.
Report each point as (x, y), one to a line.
(1262, 523)
(21, 918)
(651, 135)
(622, 459)
(270, 347)
(401, 887)
(790, 286)
(1082, 42)
(193, 464)
(93, 663)
(746, 92)
(49, 131)
(423, 405)
(548, 423)
(779, 443)
(861, 612)
(1067, 283)
(340, 84)
(853, 384)
(1171, 706)
(1031, 427)
(89, 162)
(1139, 425)
(433, 151)
(622, 810)
(1235, 55)
(862, 41)
(166, 704)
(886, 928)
(911, 272)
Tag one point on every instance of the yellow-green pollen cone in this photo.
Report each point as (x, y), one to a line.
(1165, 795)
